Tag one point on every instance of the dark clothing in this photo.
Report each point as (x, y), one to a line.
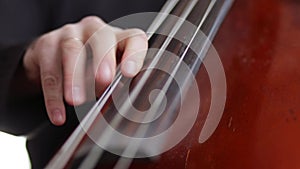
(22, 111)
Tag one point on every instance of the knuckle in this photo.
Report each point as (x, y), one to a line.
(51, 91)
(50, 82)
(92, 20)
(71, 44)
(51, 100)
(137, 32)
(68, 28)
(45, 42)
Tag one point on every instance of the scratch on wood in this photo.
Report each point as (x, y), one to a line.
(187, 157)
(230, 122)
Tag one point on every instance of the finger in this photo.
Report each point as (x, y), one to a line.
(30, 63)
(51, 80)
(103, 46)
(134, 44)
(73, 61)
(104, 57)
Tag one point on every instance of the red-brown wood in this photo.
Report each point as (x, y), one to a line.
(259, 45)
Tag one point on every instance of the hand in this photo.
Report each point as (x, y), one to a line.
(53, 57)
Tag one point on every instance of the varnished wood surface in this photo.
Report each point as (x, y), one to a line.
(259, 45)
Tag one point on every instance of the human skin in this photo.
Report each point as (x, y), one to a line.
(55, 61)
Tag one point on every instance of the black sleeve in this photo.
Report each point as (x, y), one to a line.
(21, 103)
(22, 109)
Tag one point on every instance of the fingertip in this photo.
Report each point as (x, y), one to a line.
(58, 117)
(78, 96)
(129, 68)
(104, 75)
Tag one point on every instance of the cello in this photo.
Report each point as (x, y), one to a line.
(258, 126)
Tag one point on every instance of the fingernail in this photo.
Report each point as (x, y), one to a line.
(57, 116)
(130, 68)
(77, 95)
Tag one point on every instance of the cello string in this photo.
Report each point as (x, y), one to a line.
(213, 30)
(125, 162)
(166, 9)
(65, 152)
(133, 147)
(134, 93)
(96, 153)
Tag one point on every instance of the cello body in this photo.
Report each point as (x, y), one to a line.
(259, 46)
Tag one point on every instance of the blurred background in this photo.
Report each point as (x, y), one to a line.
(13, 153)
